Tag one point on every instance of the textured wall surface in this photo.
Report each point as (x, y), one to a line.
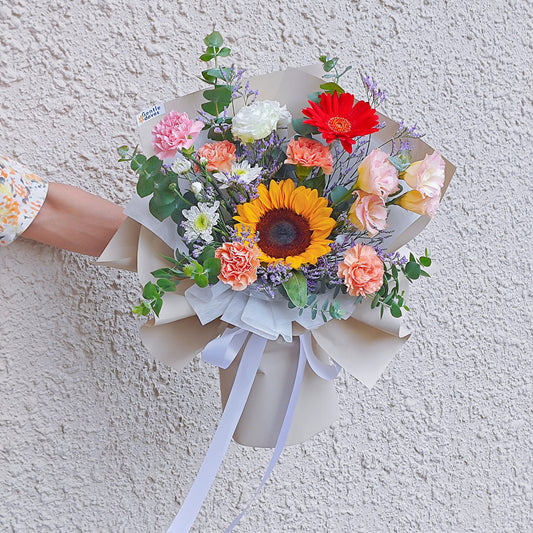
(95, 436)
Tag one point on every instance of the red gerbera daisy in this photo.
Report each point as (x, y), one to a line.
(337, 117)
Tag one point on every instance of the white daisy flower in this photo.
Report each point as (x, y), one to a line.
(240, 172)
(199, 222)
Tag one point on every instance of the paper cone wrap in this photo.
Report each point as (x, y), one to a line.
(362, 343)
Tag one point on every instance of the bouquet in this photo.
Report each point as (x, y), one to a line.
(281, 212)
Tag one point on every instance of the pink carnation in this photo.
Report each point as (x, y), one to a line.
(369, 213)
(377, 175)
(219, 155)
(414, 201)
(239, 264)
(175, 131)
(362, 270)
(427, 176)
(309, 153)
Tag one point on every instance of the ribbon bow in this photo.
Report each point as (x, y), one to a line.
(221, 352)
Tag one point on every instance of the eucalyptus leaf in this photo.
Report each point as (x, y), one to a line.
(395, 311)
(201, 280)
(166, 285)
(156, 306)
(221, 95)
(318, 183)
(337, 193)
(162, 273)
(214, 39)
(303, 129)
(150, 291)
(161, 211)
(332, 87)
(296, 288)
(412, 270)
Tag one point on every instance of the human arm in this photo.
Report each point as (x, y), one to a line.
(55, 214)
(75, 220)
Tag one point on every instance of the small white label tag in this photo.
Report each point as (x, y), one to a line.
(147, 114)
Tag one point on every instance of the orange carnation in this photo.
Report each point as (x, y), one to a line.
(309, 153)
(219, 155)
(362, 270)
(238, 264)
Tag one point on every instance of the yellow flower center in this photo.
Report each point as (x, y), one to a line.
(339, 124)
(202, 222)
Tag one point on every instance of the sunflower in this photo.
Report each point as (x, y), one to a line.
(292, 224)
(337, 117)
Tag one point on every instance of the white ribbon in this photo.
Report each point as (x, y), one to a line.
(219, 445)
(221, 352)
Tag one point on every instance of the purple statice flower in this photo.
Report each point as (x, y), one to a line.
(266, 153)
(405, 146)
(408, 131)
(375, 94)
(325, 270)
(393, 258)
(197, 249)
(243, 234)
(273, 274)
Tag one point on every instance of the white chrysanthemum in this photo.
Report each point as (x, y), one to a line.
(258, 120)
(181, 166)
(199, 222)
(240, 172)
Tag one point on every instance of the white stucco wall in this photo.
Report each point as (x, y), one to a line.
(96, 437)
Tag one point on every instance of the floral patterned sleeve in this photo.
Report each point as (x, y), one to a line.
(22, 195)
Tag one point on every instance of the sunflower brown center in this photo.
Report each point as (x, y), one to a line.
(283, 233)
(339, 124)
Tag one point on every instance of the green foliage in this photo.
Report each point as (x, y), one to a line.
(390, 296)
(314, 97)
(329, 64)
(214, 40)
(317, 182)
(296, 289)
(221, 95)
(338, 193)
(401, 161)
(303, 129)
(332, 87)
(203, 271)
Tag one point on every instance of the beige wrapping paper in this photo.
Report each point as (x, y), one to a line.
(362, 344)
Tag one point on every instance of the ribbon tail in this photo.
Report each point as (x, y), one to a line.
(285, 427)
(219, 445)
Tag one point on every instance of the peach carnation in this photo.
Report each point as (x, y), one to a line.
(377, 175)
(414, 201)
(427, 176)
(239, 264)
(309, 153)
(175, 131)
(369, 213)
(362, 270)
(219, 155)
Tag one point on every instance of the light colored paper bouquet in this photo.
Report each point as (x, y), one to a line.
(269, 232)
